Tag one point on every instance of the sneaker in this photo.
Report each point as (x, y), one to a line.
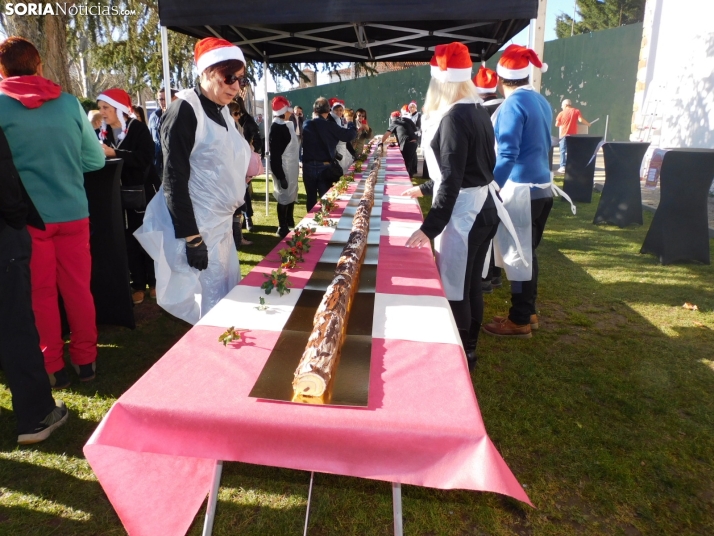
(533, 321)
(561, 169)
(508, 329)
(486, 287)
(152, 293)
(59, 379)
(86, 372)
(496, 282)
(44, 429)
(137, 297)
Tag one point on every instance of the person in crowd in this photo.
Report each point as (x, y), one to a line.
(404, 112)
(139, 114)
(459, 142)
(345, 150)
(405, 132)
(284, 163)
(155, 128)
(364, 131)
(261, 135)
(523, 140)
(52, 173)
(486, 82)
(299, 120)
(250, 133)
(36, 412)
(319, 144)
(238, 237)
(567, 123)
(95, 118)
(205, 165)
(129, 139)
(416, 118)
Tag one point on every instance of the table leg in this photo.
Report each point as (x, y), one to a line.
(212, 499)
(309, 499)
(397, 508)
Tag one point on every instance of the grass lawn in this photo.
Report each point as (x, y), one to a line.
(606, 415)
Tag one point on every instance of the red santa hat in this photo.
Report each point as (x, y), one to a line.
(121, 101)
(334, 102)
(405, 110)
(396, 114)
(212, 50)
(281, 105)
(451, 63)
(516, 61)
(485, 81)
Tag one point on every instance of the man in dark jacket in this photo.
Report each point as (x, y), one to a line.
(155, 128)
(320, 139)
(406, 135)
(37, 413)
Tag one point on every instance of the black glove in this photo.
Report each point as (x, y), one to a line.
(197, 255)
(284, 183)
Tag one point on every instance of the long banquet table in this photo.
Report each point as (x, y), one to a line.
(156, 450)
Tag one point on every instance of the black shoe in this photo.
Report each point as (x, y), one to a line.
(60, 379)
(86, 372)
(49, 424)
(496, 282)
(486, 286)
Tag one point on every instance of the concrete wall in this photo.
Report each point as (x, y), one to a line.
(675, 79)
(596, 71)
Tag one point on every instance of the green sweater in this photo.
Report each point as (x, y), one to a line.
(52, 147)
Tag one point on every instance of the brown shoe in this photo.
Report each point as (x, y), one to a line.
(508, 329)
(137, 297)
(534, 321)
(152, 293)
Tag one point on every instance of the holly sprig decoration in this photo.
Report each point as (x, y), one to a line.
(230, 335)
(278, 280)
(358, 166)
(327, 204)
(324, 220)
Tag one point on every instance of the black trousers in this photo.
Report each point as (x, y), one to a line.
(409, 154)
(141, 265)
(524, 293)
(247, 207)
(20, 355)
(316, 185)
(468, 313)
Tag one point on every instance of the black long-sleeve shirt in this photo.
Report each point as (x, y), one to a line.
(137, 151)
(404, 130)
(178, 135)
(464, 148)
(250, 131)
(279, 139)
(320, 138)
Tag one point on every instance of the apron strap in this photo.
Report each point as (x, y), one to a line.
(557, 191)
(505, 220)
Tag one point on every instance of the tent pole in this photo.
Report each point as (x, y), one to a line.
(266, 128)
(165, 58)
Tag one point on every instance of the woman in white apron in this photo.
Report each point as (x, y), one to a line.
(337, 107)
(187, 228)
(284, 163)
(458, 143)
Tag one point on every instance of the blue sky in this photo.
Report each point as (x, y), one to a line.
(553, 9)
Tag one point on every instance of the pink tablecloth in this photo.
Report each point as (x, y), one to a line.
(154, 451)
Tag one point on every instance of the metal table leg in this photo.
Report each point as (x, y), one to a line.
(212, 499)
(309, 499)
(397, 508)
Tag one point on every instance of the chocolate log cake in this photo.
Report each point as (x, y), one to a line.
(316, 367)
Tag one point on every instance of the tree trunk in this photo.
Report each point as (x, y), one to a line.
(49, 34)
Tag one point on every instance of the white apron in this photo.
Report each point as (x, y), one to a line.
(451, 246)
(291, 167)
(219, 161)
(347, 159)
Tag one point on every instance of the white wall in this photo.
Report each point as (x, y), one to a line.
(679, 71)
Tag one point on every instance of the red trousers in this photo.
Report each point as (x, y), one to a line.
(61, 261)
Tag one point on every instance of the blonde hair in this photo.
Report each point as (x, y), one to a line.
(441, 95)
(349, 114)
(95, 118)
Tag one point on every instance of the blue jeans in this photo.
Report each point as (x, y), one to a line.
(315, 184)
(563, 154)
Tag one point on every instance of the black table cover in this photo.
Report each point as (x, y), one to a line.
(680, 226)
(579, 174)
(110, 269)
(621, 200)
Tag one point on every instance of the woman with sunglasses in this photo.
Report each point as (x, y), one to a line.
(188, 229)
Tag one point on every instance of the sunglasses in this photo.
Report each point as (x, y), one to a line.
(232, 79)
(235, 114)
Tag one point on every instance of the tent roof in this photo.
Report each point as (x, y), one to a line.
(349, 30)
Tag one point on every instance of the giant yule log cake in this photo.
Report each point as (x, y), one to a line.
(316, 367)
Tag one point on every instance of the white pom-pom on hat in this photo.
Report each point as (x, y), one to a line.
(544, 68)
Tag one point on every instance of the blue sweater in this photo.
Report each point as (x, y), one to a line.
(523, 138)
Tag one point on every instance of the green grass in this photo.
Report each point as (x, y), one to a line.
(606, 415)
